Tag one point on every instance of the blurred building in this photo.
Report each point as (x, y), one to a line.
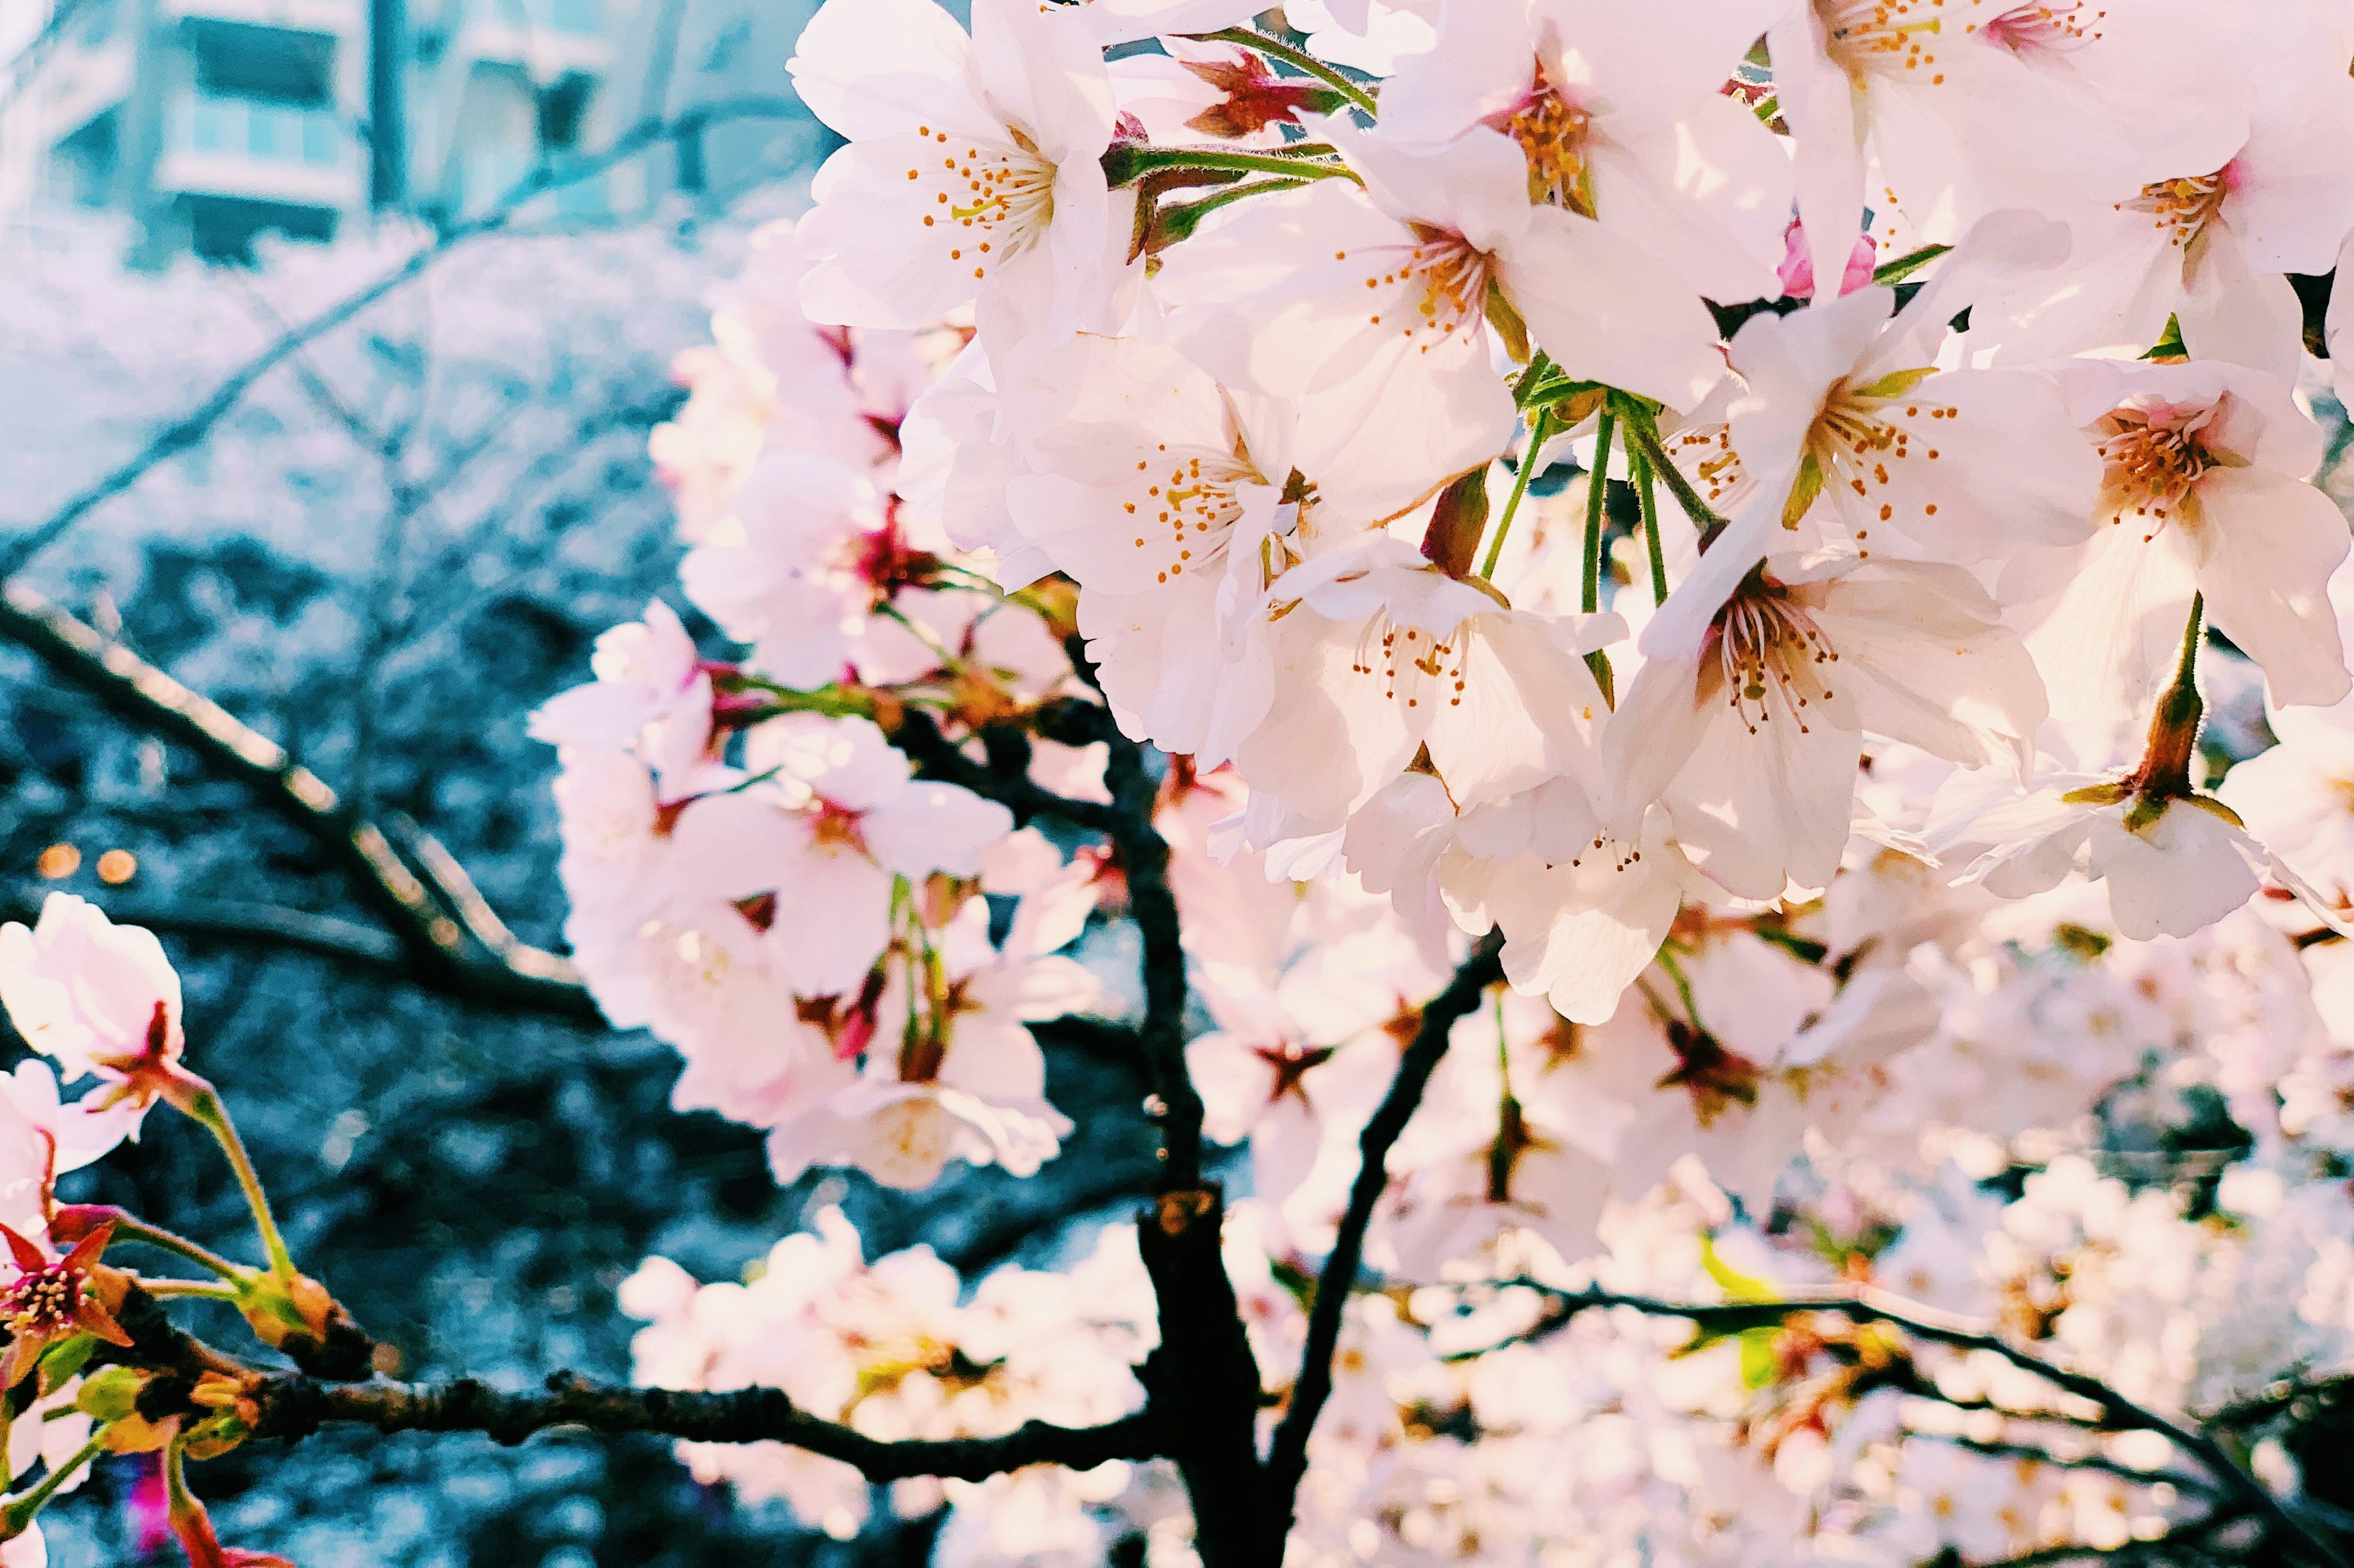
(209, 122)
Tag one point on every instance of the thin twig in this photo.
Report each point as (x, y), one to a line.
(2036, 1454)
(432, 945)
(2117, 1412)
(1286, 1458)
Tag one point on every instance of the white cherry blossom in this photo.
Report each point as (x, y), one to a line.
(972, 169)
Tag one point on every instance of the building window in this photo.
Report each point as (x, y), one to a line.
(561, 108)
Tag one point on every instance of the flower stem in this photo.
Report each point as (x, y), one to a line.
(1125, 162)
(1646, 436)
(209, 1289)
(17, 1515)
(208, 1110)
(1175, 223)
(1538, 433)
(127, 1229)
(1300, 60)
(1597, 488)
(1648, 500)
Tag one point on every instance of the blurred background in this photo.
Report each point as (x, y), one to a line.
(332, 334)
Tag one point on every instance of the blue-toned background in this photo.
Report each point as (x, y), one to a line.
(383, 553)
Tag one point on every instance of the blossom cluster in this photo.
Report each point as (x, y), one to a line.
(1429, 437)
(896, 1349)
(1262, 459)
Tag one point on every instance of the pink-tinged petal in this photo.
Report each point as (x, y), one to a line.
(1608, 311)
(2178, 875)
(2265, 548)
(86, 1252)
(1819, 106)
(935, 827)
(874, 67)
(29, 1258)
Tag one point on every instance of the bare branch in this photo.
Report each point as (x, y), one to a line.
(1286, 1458)
(2034, 1454)
(298, 1406)
(433, 946)
(1144, 857)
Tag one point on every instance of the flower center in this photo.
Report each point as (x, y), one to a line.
(1706, 455)
(1443, 278)
(2154, 461)
(1291, 1064)
(1193, 498)
(2182, 210)
(838, 825)
(988, 200)
(1856, 435)
(1717, 1079)
(1391, 652)
(1884, 37)
(1553, 131)
(1769, 652)
(41, 1303)
(2050, 27)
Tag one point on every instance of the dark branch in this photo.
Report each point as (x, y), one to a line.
(2191, 1536)
(298, 1406)
(1144, 858)
(434, 951)
(2037, 1455)
(295, 1407)
(2283, 1398)
(937, 757)
(1287, 1456)
(2239, 1490)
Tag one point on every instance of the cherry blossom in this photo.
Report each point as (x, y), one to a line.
(2201, 494)
(1618, 123)
(988, 147)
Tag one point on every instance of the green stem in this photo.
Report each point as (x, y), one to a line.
(1538, 433)
(206, 1289)
(1299, 60)
(1177, 222)
(18, 1511)
(127, 1229)
(1125, 162)
(1597, 488)
(1648, 500)
(1531, 381)
(209, 1110)
(830, 701)
(1675, 970)
(1646, 435)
